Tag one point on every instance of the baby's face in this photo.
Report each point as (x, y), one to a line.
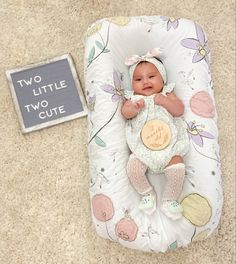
(147, 79)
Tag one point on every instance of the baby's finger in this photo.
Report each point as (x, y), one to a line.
(140, 103)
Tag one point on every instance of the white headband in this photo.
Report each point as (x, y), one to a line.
(151, 57)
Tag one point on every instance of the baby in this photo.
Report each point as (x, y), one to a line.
(156, 133)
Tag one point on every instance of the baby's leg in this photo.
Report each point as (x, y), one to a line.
(136, 172)
(175, 173)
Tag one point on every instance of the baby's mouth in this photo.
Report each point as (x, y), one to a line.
(147, 88)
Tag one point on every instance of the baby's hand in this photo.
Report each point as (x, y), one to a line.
(139, 104)
(160, 99)
(131, 109)
(136, 106)
(171, 103)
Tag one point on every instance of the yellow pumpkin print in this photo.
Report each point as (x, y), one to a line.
(202, 235)
(119, 21)
(93, 29)
(196, 209)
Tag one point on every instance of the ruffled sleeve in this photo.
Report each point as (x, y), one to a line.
(128, 94)
(168, 88)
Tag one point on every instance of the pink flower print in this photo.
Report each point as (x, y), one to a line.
(202, 105)
(200, 45)
(196, 133)
(102, 207)
(117, 90)
(126, 229)
(171, 22)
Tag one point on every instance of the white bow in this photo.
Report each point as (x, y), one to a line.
(133, 59)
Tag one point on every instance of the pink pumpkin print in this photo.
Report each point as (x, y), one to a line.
(102, 207)
(126, 229)
(202, 105)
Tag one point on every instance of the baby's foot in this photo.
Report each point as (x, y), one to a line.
(172, 209)
(148, 203)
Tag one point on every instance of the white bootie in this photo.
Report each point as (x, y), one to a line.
(148, 204)
(172, 209)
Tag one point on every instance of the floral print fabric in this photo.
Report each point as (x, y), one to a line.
(114, 202)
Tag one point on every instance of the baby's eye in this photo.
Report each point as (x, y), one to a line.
(151, 76)
(138, 80)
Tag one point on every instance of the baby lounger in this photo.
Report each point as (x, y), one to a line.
(114, 202)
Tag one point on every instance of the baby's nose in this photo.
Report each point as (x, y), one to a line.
(145, 80)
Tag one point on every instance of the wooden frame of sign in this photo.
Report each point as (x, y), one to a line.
(46, 93)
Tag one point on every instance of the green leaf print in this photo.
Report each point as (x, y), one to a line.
(173, 245)
(91, 55)
(99, 45)
(100, 142)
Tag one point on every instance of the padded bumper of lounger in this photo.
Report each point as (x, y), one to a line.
(114, 202)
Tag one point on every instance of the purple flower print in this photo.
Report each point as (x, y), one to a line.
(171, 22)
(117, 90)
(91, 102)
(196, 133)
(200, 45)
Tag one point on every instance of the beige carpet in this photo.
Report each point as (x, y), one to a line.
(44, 203)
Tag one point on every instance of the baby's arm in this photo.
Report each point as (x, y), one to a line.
(171, 103)
(131, 109)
